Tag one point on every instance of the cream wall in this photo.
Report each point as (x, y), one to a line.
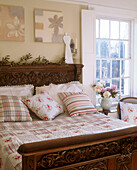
(52, 51)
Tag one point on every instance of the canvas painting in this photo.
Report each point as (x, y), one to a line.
(48, 26)
(12, 23)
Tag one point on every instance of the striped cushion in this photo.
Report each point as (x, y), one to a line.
(77, 103)
(12, 109)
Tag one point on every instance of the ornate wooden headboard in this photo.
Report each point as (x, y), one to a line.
(39, 75)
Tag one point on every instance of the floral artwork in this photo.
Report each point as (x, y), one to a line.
(12, 26)
(48, 26)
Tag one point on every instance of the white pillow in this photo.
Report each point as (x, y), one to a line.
(44, 106)
(42, 89)
(53, 89)
(22, 90)
(129, 112)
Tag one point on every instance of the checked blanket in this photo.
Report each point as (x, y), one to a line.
(13, 134)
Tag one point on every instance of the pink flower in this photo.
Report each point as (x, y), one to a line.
(103, 89)
(113, 87)
(108, 88)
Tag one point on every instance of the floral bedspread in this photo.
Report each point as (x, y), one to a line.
(13, 134)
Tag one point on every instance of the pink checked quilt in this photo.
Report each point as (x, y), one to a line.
(13, 134)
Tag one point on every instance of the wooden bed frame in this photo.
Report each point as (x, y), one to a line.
(115, 150)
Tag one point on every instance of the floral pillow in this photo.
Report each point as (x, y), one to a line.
(77, 103)
(44, 106)
(13, 109)
(128, 112)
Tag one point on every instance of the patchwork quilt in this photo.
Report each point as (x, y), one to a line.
(14, 134)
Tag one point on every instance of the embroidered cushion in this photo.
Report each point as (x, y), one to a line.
(44, 106)
(128, 112)
(77, 103)
(12, 109)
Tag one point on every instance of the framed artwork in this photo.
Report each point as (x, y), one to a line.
(12, 26)
(48, 26)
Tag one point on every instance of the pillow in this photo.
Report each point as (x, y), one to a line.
(77, 103)
(23, 90)
(128, 112)
(12, 109)
(44, 106)
(53, 89)
(42, 89)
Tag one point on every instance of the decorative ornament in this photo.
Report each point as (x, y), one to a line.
(68, 54)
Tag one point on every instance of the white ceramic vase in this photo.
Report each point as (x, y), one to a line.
(105, 103)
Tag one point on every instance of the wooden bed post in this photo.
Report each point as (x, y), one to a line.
(29, 162)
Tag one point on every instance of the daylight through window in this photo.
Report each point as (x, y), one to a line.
(113, 53)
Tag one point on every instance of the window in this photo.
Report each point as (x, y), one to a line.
(113, 50)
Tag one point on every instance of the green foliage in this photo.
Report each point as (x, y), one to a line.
(24, 60)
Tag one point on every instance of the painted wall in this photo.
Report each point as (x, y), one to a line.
(123, 4)
(52, 51)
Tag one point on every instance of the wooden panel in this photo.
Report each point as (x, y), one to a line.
(39, 75)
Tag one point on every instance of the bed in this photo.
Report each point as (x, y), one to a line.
(113, 147)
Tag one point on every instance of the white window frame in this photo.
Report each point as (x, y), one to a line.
(115, 59)
(107, 12)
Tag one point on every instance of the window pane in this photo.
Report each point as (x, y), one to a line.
(114, 49)
(124, 30)
(125, 68)
(104, 28)
(97, 48)
(114, 32)
(117, 83)
(97, 69)
(108, 83)
(124, 49)
(115, 68)
(104, 49)
(125, 87)
(105, 69)
(97, 28)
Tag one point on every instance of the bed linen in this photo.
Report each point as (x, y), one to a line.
(13, 134)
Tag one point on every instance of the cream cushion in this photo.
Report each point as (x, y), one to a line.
(22, 90)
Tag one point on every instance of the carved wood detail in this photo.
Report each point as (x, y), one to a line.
(73, 156)
(124, 162)
(39, 75)
(36, 78)
(31, 163)
(101, 165)
(123, 146)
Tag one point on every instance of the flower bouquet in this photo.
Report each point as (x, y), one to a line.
(105, 92)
